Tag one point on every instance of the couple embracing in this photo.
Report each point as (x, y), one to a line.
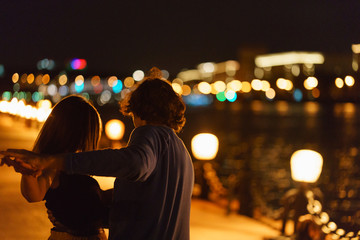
(154, 174)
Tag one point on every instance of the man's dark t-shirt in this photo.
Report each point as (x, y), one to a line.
(153, 186)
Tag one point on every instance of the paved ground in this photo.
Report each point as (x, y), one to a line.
(20, 220)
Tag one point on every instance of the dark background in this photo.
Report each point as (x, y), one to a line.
(118, 37)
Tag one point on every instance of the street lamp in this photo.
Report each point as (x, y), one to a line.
(204, 147)
(306, 166)
(114, 130)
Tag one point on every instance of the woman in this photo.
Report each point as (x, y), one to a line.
(75, 201)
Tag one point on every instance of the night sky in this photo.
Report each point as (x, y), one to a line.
(121, 36)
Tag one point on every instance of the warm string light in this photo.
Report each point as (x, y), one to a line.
(322, 218)
(20, 108)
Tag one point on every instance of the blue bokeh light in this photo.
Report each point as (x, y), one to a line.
(298, 95)
(117, 86)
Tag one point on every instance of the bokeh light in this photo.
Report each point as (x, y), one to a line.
(115, 129)
(16, 87)
(45, 79)
(35, 97)
(246, 87)
(30, 78)
(315, 93)
(231, 96)
(2, 70)
(234, 85)
(117, 86)
(165, 74)
(15, 77)
(258, 72)
(295, 70)
(310, 83)
(46, 104)
(178, 81)
(281, 83)
(38, 79)
(204, 88)
(112, 81)
(129, 82)
(6, 96)
(63, 79)
(186, 90)
(177, 88)
(219, 86)
(221, 96)
(105, 97)
(79, 80)
(138, 75)
(207, 67)
(79, 83)
(306, 165)
(23, 78)
(265, 85)
(52, 89)
(270, 94)
(298, 95)
(95, 80)
(256, 84)
(349, 81)
(289, 85)
(231, 67)
(339, 83)
(204, 146)
(63, 90)
(78, 64)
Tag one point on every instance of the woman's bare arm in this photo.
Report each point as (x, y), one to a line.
(34, 188)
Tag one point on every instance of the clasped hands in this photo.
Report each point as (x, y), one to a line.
(23, 161)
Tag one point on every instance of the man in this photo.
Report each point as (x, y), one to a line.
(154, 173)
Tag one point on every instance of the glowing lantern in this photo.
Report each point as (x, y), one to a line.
(114, 129)
(204, 146)
(306, 165)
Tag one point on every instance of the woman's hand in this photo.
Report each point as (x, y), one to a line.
(28, 162)
(19, 166)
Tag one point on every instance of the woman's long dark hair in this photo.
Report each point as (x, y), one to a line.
(73, 125)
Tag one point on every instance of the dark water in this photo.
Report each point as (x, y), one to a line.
(257, 140)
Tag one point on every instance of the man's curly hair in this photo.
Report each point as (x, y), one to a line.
(155, 101)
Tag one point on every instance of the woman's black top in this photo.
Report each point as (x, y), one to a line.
(76, 203)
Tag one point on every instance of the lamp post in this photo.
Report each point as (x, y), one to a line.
(306, 167)
(114, 130)
(204, 147)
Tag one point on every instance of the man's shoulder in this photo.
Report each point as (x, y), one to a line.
(153, 129)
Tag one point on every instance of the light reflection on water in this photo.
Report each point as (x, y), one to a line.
(260, 137)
